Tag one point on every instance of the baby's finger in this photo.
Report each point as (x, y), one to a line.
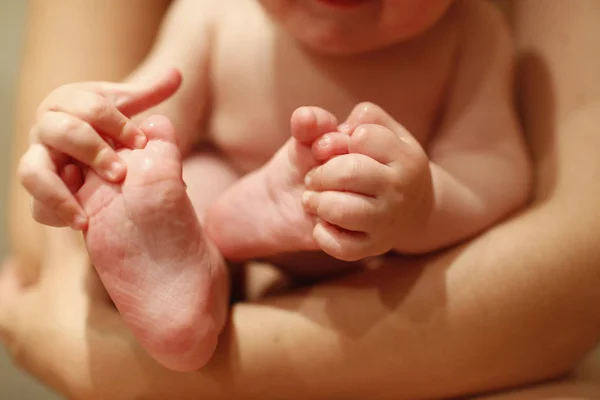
(72, 176)
(308, 123)
(38, 175)
(349, 211)
(377, 142)
(341, 244)
(76, 138)
(135, 97)
(100, 113)
(330, 145)
(350, 173)
(45, 215)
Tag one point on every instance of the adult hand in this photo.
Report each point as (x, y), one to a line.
(63, 329)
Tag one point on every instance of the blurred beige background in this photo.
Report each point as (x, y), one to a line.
(13, 384)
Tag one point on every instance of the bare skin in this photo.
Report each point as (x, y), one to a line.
(277, 187)
(59, 316)
(112, 240)
(431, 152)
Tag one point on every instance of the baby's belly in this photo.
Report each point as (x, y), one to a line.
(207, 175)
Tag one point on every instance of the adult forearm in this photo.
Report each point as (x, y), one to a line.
(69, 41)
(519, 304)
(505, 310)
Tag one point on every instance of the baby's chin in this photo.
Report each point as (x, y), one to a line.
(339, 44)
(333, 38)
(349, 27)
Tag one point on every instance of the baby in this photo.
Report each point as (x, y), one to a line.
(438, 159)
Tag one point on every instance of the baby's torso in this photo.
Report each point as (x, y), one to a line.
(259, 75)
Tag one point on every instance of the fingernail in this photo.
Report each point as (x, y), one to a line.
(116, 170)
(79, 222)
(140, 141)
(344, 128)
(324, 141)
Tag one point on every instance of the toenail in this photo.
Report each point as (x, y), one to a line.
(307, 199)
(307, 112)
(324, 142)
(308, 179)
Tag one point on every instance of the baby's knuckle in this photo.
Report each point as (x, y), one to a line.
(414, 159)
(97, 108)
(59, 126)
(367, 107)
(123, 124)
(366, 110)
(39, 216)
(352, 171)
(340, 213)
(360, 135)
(100, 152)
(26, 172)
(395, 179)
(61, 205)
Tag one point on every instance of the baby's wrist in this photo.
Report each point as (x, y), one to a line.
(418, 210)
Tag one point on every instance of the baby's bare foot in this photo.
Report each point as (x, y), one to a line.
(262, 215)
(168, 282)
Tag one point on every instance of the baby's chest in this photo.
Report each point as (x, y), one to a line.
(259, 81)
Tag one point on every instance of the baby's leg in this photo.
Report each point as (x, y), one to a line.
(262, 215)
(207, 175)
(168, 282)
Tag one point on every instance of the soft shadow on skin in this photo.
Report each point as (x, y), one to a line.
(399, 283)
(376, 300)
(580, 385)
(103, 322)
(308, 268)
(105, 330)
(422, 303)
(534, 85)
(334, 89)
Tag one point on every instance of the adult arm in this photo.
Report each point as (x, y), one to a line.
(69, 41)
(517, 305)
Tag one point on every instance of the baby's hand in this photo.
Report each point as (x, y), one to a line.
(73, 128)
(366, 201)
